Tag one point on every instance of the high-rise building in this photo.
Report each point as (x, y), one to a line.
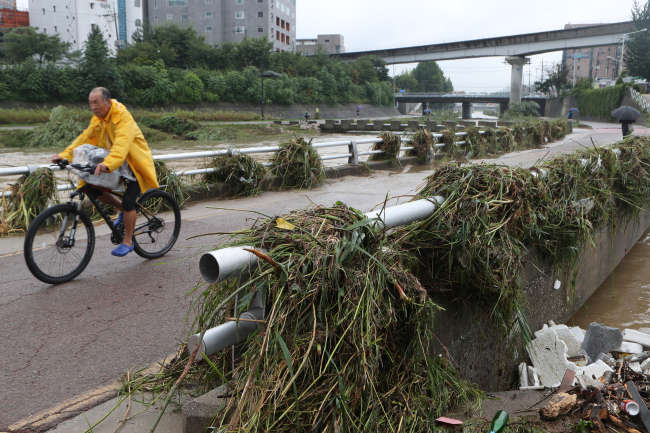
(231, 20)
(73, 20)
(594, 62)
(333, 44)
(12, 17)
(7, 4)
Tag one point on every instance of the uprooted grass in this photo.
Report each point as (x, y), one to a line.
(298, 164)
(345, 343)
(390, 144)
(422, 142)
(63, 128)
(171, 182)
(241, 172)
(31, 195)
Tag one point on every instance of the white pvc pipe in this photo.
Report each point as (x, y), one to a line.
(406, 213)
(220, 265)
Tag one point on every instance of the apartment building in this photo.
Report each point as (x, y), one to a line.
(12, 17)
(231, 20)
(73, 20)
(333, 44)
(594, 62)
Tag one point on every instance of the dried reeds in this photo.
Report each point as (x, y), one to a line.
(30, 196)
(298, 164)
(171, 182)
(391, 145)
(241, 172)
(422, 142)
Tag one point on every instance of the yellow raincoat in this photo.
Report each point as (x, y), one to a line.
(127, 141)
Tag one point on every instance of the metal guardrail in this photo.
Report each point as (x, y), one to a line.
(352, 155)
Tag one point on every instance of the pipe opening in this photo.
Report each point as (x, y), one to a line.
(209, 268)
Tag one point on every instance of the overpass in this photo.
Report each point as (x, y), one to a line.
(427, 98)
(515, 48)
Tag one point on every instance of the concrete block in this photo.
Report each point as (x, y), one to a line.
(414, 125)
(578, 333)
(645, 364)
(635, 367)
(278, 122)
(198, 413)
(607, 359)
(601, 339)
(362, 125)
(345, 124)
(294, 122)
(564, 333)
(548, 354)
(431, 125)
(523, 375)
(645, 330)
(533, 378)
(634, 336)
(395, 125)
(591, 374)
(378, 125)
(627, 347)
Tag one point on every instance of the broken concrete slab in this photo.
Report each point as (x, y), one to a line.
(523, 375)
(628, 347)
(645, 330)
(579, 333)
(645, 364)
(636, 337)
(635, 367)
(591, 374)
(548, 354)
(533, 379)
(601, 339)
(565, 334)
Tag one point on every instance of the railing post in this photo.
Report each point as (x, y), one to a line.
(352, 148)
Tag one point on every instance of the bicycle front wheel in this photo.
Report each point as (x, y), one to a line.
(59, 244)
(157, 225)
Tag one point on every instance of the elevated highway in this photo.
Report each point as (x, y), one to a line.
(515, 48)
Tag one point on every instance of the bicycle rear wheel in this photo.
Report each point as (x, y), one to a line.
(157, 225)
(53, 252)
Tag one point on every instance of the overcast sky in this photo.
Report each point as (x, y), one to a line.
(368, 24)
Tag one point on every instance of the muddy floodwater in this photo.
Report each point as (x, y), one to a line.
(623, 300)
(13, 157)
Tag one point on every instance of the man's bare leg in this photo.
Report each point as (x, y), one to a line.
(129, 217)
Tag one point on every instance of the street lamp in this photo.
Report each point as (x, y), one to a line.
(620, 64)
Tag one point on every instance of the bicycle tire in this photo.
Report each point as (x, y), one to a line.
(152, 208)
(37, 260)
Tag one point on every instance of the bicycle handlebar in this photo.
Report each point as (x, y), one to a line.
(85, 168)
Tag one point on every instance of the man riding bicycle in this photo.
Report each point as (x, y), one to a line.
(112, 127)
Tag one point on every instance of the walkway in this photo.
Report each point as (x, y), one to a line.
(63, 347)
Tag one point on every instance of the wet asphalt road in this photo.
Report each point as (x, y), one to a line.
(58, 343)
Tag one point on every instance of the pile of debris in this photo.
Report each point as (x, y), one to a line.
(602, 373)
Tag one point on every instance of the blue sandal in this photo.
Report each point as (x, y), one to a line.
(122, 250)
(119, 219)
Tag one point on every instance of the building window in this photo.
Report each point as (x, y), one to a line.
(239, 2)
(53, 8)
(288, 27)
(288, 40)
(327, 40)
(94, 26)
(155, 4)
(137, 3)
(170, 17)
(277, 20)
(92, 6)
(282, 24)
(240, 30)
(176, 2)
(607, 70)
(260, 15)
(155, 17)
(208, 29)
(260, 1)
(239, 15)
(277, 35)
(208, 15)
(260, 29)
(208, 2)
(55, 30)
(138, 22)
(183, 17)
(288, 11)
(282, 36)
(44, 10)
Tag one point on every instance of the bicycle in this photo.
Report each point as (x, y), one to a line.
(57, 250)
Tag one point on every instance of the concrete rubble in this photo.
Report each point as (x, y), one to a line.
(590, 353)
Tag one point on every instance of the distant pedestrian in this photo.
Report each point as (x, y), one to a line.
(307, 115)
(358, 111)
(317, 115)
(570, 115)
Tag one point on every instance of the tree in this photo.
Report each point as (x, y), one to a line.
(430, 77)
(250, 52)
(98, 68)
(406, 81)
(24, 42)
(637, 47)
(558, 75)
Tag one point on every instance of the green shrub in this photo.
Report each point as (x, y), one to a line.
(601, 102)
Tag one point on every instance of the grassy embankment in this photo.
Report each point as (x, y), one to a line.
(60, 126)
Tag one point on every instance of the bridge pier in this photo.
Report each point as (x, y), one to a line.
(503, 106)
(516, 78)
(467, 110)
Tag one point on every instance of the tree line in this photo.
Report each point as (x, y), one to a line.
(170, 64)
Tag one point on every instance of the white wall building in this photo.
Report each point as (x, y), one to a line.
(73, 20)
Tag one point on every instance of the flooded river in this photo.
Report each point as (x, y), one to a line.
(623, 300)
(12, 157)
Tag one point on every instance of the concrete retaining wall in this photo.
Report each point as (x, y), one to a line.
(556, 107)
(467, 333)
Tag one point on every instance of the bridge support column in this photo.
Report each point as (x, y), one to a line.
(503, 106)
(516, 79)
(467, 110)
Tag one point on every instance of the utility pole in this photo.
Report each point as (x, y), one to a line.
(263, 84)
